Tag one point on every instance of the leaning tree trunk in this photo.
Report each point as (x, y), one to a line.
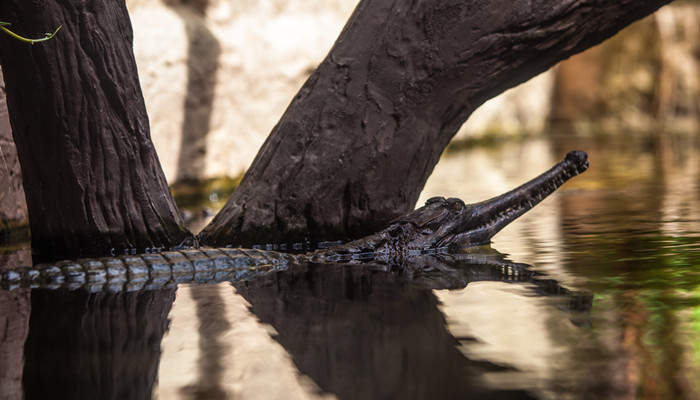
(357, 143)
(351, 153)
(91, 175)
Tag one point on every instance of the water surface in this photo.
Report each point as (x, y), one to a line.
(609, 305)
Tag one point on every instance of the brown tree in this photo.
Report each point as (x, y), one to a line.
(91, 175)
(358, 142)
(351, 152)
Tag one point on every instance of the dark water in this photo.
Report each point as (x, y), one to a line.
(594, 294)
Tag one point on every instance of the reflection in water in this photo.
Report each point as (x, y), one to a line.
(15, 308)
(94, 346)
(212, 326)
(645, 228)
(253, 366)
(357, 330)
(628, 231)
(363, 333)
(14, 319)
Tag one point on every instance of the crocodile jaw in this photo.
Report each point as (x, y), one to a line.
(442, 223)
(487, 218)
(475, 224)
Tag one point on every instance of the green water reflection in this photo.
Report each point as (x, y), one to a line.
(628, 230)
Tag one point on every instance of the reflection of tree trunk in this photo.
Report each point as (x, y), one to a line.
(15, 308)
(673, 366)
(363, 334)
(213, 325)
(357, 143)
(14, 324)
(91, 175)
(95, 346)
(639, 368)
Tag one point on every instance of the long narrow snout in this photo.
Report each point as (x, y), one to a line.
(490, 216)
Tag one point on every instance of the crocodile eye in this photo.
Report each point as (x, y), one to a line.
(427, 231)
(455, 204)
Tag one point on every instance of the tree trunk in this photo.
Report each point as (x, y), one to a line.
(357, 143)
(92, 178)
(352, 151)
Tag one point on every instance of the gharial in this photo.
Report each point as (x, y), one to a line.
(439, 225)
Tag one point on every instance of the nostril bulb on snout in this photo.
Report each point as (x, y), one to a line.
(577, 156)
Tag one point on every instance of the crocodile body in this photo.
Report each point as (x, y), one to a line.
(440, 224)
(150, 271)
(433, 269)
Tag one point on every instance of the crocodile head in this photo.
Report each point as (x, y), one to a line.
(449, 222)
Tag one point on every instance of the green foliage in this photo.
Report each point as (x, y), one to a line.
(211, 193)
(47, 36)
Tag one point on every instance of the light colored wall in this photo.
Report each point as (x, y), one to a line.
(264, 51)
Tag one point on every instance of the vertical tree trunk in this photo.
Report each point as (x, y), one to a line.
(357, 143)
(92, 178)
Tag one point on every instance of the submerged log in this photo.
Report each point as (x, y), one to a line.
(356, 145)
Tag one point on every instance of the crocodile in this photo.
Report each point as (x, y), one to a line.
(440, 225)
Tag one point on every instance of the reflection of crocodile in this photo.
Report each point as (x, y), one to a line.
(455, 270)
(345, 325)
(440, 224)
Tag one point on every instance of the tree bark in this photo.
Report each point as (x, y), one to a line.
(352, 151)
(357, 143)
(92, 178)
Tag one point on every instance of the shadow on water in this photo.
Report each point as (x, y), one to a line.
(359, 331)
